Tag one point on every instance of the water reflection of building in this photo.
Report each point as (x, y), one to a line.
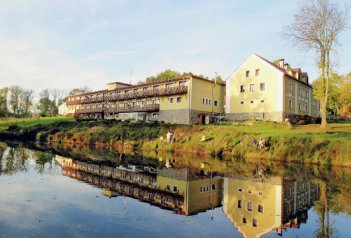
(258, 206)
(180, 190)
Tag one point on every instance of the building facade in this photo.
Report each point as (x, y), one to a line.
(258, 206)
(186, 100)
(271, 91)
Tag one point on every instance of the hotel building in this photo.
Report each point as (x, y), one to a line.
(186, 100)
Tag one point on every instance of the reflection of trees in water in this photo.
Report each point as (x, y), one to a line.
(335, 197)
(42, 159)
(14, 160)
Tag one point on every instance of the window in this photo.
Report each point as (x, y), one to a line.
(240, 204)
(154, 115)
(260, 208)
(249, 191)
(135, 91)
(251, 102)
(203, 101)
(242, 88)
(249, 206)
(179, 99)
(306, 94)
(300, 92)
(215, 103)
(168, 187)
(262, 101)
(244, 220)
(206, 101)
(262, 86)
(247, 73)
(126, 91)
(290, 104)
(257, 72)
(213, 186)
(171, 100)
(300, 107)
(181, 83)
(156, 87)
(242, 102)
(240, 189)
(209, 101)
(252, 87)
(175, 189)
(169, 85)
(290, 87)
(144, 89)
(306, 108)
(260, 193)
(254, 222)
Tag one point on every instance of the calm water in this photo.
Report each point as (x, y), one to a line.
(76, 192)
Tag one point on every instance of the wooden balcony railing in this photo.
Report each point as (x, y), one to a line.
(86, 100)
(90, 110)
(132, 95)
(148, 93)
(145, 108)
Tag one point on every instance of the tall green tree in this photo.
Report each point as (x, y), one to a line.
(46, 106)
(317, 26)
(165, 75)
(3, 101)
(344, 95)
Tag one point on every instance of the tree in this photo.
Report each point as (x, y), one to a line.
(58, 96)
(163, 76)
(15, 99)
(317, 26)
(344, 95)
(318, 92)
(3, 101)
(26, 101)
(46, 106)
(77, 91)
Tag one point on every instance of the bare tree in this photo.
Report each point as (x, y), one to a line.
(26, 102)
(58, 95)
(15, 99)
(317, 26)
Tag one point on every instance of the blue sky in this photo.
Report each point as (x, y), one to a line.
(73, 43)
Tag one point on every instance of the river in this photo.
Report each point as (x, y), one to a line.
(80, 192)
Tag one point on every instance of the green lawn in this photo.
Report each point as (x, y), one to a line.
(336, 130)
(27, 122)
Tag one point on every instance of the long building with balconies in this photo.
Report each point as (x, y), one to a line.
(185, 100)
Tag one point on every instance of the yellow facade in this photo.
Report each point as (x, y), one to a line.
(242, 198)
(269, 91)
(184, 100)
(199, 194)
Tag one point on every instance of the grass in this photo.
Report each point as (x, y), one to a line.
(306, 144)
(28, 122)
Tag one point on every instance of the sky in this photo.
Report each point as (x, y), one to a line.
(75, 43)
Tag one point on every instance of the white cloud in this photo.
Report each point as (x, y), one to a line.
(30, 65)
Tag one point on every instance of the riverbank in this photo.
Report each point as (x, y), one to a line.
(303, 144)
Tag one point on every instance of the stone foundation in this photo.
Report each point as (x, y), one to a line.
(261, 116)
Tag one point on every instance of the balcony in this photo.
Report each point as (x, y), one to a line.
(146, 108)
(90, 110)
(149, 93)
(86, 100)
